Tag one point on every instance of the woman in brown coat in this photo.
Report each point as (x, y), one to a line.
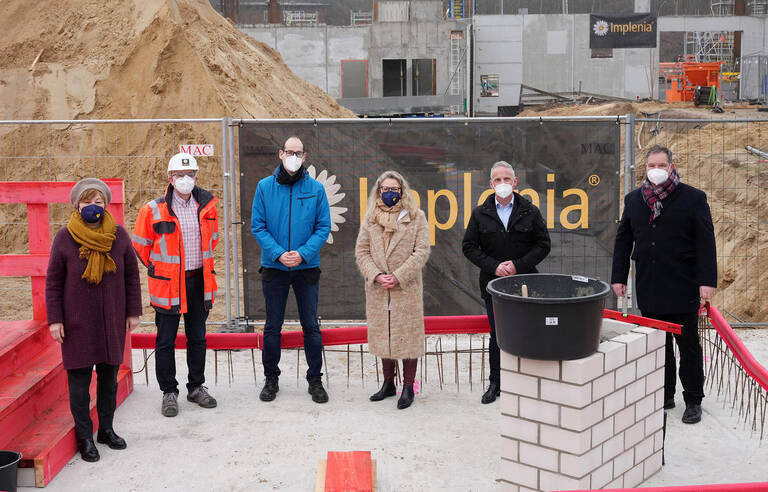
(392, 248)
(92, 296)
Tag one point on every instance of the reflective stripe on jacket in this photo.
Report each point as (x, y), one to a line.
(157, 240)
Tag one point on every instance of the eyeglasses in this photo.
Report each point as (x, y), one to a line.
(385, 189)
(179, 175)
(297, 153)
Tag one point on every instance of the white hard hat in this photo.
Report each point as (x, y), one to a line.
(182, 162)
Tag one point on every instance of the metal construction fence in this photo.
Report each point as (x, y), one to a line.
(436, 154)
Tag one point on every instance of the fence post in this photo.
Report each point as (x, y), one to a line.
(629, 183)
(225, 203)
(233, 197)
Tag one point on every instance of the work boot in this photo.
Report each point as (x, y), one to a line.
(88, 450)
(170, 406)
(108, 437)
(406, 398)
(201, 396)
(317, 391)
(491, 393)
(387, 389)
(270, 389)
(692, 413)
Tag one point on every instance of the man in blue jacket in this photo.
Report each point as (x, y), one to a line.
(666, 227)
(291, 221)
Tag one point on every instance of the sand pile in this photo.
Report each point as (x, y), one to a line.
(142, 59)
(84, 59)
(711, 156)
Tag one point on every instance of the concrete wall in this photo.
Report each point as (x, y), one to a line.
(315, 53)
(405, 40)
(498, 51)
(557, 58)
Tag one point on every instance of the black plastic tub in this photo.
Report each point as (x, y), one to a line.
(559, 320)
(9, 465)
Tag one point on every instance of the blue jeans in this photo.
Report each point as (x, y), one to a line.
(275, 287)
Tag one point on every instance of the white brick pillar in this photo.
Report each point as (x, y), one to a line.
(587, 423)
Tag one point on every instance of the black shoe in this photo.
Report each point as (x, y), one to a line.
(406, 398)
(270, 389)
(692, 413)
(88, 450)
(108, 437)
(491, 393)
(317, 391)
(669, 403)
(387, 389)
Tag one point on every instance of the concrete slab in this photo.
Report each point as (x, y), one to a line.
(446, 441)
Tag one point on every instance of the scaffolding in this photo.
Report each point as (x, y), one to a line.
(710, 47)
(722, 7)
(360, 17)
(300, 18)
(458, 68)
(758, 7)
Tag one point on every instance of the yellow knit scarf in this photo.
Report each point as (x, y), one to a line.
(386, 217)
(95, 245)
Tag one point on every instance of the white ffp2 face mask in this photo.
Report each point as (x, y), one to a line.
(184, 185)
(503, 190)
(657, 176)
(292, 163)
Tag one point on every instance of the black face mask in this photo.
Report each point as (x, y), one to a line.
(92, 213)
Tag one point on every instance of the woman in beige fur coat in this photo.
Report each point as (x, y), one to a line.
(392, 248)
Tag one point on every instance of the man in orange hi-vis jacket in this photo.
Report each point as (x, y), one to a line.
(174, 237)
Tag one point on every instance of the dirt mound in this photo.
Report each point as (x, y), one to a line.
(143, 59)
(82, 59)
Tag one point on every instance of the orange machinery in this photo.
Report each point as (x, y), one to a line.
(681, 78)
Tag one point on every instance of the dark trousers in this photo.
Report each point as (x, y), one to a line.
(80, 398)
(494, 357)
(194, 327)
(409, 370)
(275, 297)
(691, 357)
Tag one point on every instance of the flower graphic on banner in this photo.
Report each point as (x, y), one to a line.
(600, 28)
(332, 192)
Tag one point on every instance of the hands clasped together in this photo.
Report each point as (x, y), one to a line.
(506, 269)
(290, 259)
(387, 281)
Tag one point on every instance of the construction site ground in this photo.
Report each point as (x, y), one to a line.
(446, 441)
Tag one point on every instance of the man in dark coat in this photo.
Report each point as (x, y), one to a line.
(506, 235)
(667, 229)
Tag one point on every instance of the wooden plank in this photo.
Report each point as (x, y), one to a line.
(321, 469)
(38, 298)
(320, 480)
(39, 228)
(348, 471)
(49, 191)
(23, 265)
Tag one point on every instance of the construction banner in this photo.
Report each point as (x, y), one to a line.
(622, 31)
(569, 169)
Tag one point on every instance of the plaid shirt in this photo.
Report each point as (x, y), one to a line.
(186, 211)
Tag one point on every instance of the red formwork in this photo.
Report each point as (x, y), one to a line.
(34, 405)
(352, 335)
